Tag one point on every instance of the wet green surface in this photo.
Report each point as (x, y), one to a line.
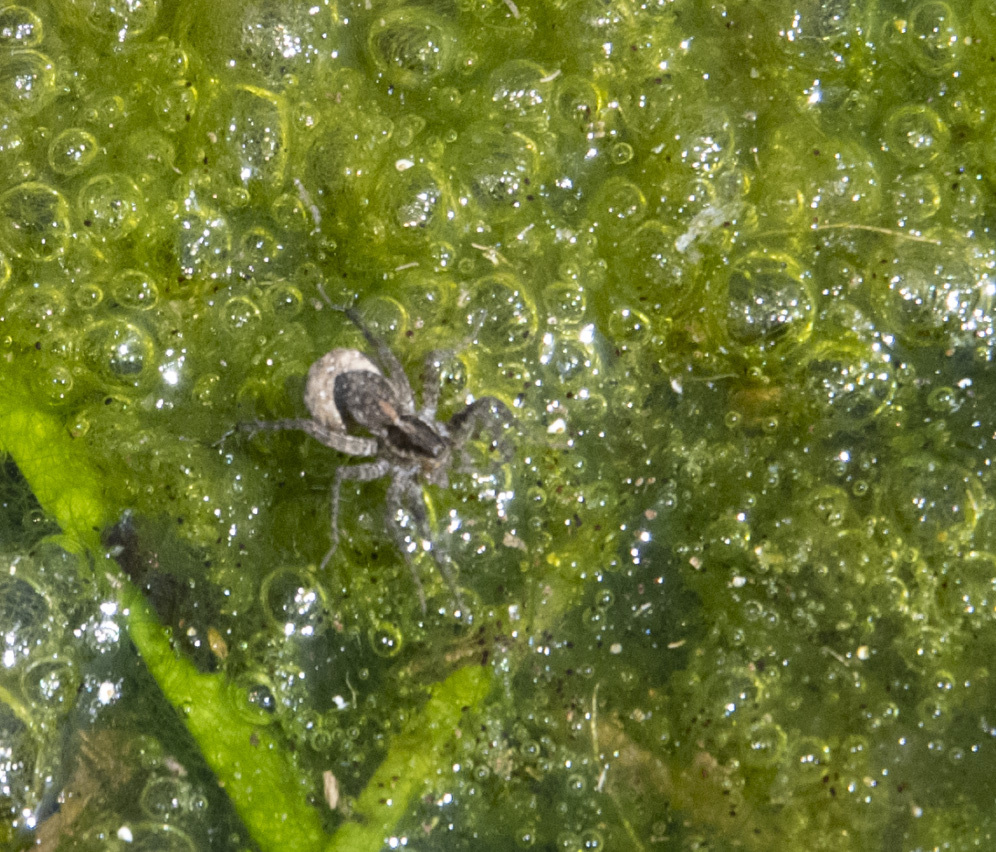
(731, 267)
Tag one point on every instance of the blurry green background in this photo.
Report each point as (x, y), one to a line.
(731, 266)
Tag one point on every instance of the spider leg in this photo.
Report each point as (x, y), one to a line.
(432, 383)
(351, 445)
(445, 563)
(402, 487)
(486, 411)
(431, 377)
(388, 360)
(405, 495)
(353, 473)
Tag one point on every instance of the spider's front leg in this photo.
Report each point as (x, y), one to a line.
(350, 473)
(432, 382)
(388, 361)
(487, 412)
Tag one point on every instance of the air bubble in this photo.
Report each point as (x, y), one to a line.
(135, 289)
(429, 297)
(260, 700)
(54, 384)
(769, 302)
(410, 47)
(204, 242)
(119, 19)
(385, 316)
(294, 602)
(565, 302)
(156, 152)
(525, 837)
(241, 315)
(285, 300)
(852, 380)
(290, 213)
(258, 247)
(568, 841)
(592, 840)
(916, 198)
(629, 329)
(72, 151)
(571, 362)
(707, 142)
(386, 639)
(521, 88)
(577, 784)
(933, 294)
(18, 755)
(621, 153)
(120, 352)
(51, 685)
(165, 798)
(246, 128)
(824, 179)
(34, 222)
(175, 104)
(207, 388)
(576, 103)
(974, 578)
(499, 166)
(943, 400)
(935, 500)
(934, 41)
(766, 745)
(509, 318)
(25, 621)
(830, 506)
(88, 295)
(27, 81)
(651, 262)
(19, 27)
(110, 206)
(618, 206)
(916, 134)
(412, 197)
(282, 39)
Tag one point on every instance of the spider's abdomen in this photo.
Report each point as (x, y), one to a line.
(366, 400)
(320, 391)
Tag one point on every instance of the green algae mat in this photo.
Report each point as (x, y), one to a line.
(725, 579)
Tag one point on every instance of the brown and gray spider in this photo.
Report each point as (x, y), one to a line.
(348, 393)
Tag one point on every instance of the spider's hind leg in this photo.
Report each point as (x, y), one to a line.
(404, 497)
(351, 473)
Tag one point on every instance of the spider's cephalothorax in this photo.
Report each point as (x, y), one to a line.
(363, 407)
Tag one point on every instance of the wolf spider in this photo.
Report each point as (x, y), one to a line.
(347, 393)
